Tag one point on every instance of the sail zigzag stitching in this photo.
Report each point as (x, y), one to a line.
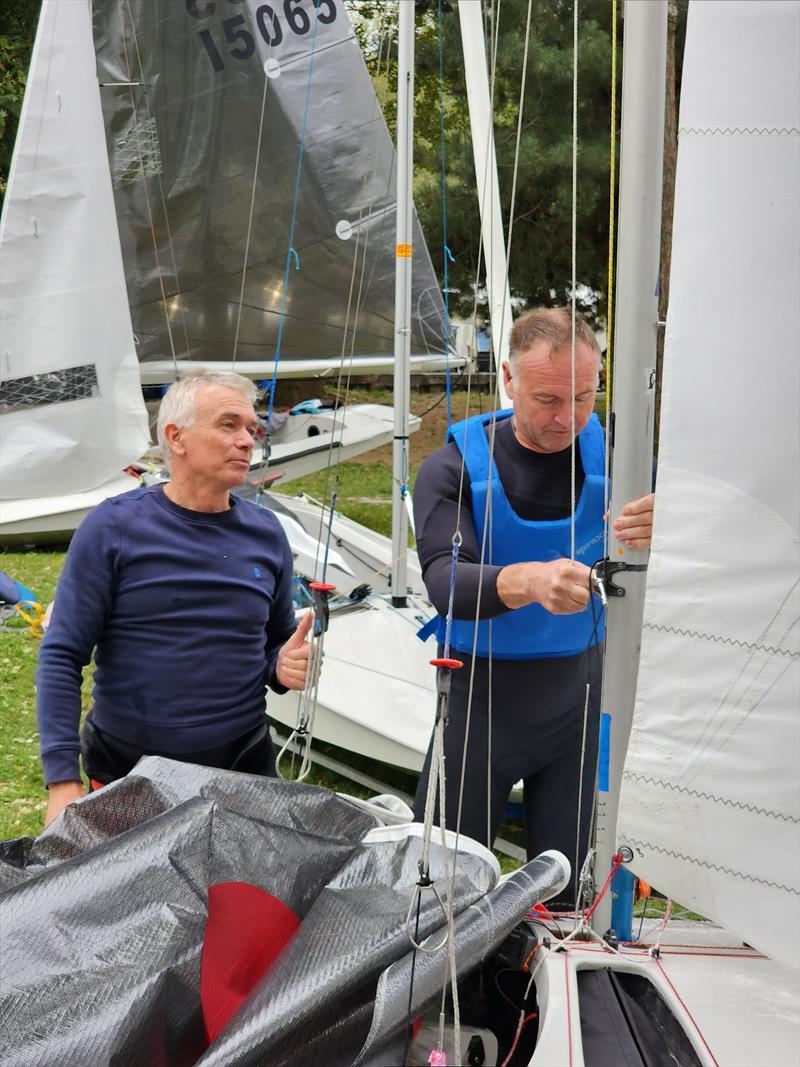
(711, 866)
(732, 641)
(730, 131)
(700, 795)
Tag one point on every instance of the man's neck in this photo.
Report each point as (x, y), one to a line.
(197, 498)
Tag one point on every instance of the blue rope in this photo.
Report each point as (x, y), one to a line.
(448, 626)
(334, 494)
(291, 252)
(448, 255)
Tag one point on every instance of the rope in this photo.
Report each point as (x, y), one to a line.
(574, 268)
(145, 190)
(580, 790)
(162, 197)
(612, 174)
(362, 246)
(291, 252)
(250, 216)
(446, 254)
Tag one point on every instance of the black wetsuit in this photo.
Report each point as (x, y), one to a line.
(537, 705)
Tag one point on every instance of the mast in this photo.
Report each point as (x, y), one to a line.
(480, 120)
(641, 166)
(402, 300)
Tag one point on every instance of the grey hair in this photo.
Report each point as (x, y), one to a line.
(553, 325)
(179, 404)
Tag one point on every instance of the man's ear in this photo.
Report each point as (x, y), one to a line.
(508, 380)
(173, 435)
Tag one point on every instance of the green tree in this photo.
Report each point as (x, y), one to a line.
(18, 19)
(540, 262)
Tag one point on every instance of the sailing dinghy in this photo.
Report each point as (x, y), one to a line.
(207, 230)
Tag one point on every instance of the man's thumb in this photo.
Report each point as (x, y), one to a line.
(301, 633)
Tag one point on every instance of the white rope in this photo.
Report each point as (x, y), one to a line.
(580, 792)
(574, 256)
(252, 209)
(144, 182)
(162, 197)
(303, 733)
(493, 425)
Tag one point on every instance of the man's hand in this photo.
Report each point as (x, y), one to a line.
(561, 587)
(634, 526)
(292, 665)
(59, 794)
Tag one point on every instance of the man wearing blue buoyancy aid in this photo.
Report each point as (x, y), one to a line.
(538, 640)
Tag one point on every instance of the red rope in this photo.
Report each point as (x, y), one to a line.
(691, 1017)
(569, 1012)
(593, 907)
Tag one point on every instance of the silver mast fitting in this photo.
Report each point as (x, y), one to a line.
(402, 299)
(480, 120)
(640, 182)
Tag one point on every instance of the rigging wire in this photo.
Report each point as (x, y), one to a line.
(612, 174)
(446, 253)
(162, 196)
(352, 317)
(291, 252)
(252, 206)
(149, 207)
(574, 273)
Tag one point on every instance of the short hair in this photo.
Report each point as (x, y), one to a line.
(553, 325)
(179, 404)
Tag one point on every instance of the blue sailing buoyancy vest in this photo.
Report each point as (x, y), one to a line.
(531, 632)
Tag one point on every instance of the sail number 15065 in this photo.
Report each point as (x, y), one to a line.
(241, 42)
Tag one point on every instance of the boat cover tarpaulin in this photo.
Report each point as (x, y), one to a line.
(188, 915)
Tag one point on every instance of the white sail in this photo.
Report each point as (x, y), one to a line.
(710, 800)
(71, 408)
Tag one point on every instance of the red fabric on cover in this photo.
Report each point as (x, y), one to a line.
(246, 931)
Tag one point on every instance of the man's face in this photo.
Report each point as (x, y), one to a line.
(541, 391)
(217, 448)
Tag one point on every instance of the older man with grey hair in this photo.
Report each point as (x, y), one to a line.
(183, 592)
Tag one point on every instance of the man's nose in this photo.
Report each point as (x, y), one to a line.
(563, 416)
(244, 439)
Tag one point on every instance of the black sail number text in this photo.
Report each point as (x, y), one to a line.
(271, 21)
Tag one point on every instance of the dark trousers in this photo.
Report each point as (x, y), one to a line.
(106, 758)
(536, 723)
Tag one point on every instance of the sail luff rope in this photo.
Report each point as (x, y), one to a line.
(144, 187)
(162, 197)
(612, 173)
(573, 275)
(252, 210)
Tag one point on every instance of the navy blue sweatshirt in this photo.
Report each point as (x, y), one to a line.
(186, 612)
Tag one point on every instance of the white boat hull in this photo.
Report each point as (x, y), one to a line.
(737, 1007)
(377, 691)
(303, 447)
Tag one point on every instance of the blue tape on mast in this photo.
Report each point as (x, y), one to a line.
(604, 756)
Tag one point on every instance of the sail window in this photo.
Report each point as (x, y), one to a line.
(138, 152)
(54, 387)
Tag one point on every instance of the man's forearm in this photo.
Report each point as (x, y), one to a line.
(468, 589)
